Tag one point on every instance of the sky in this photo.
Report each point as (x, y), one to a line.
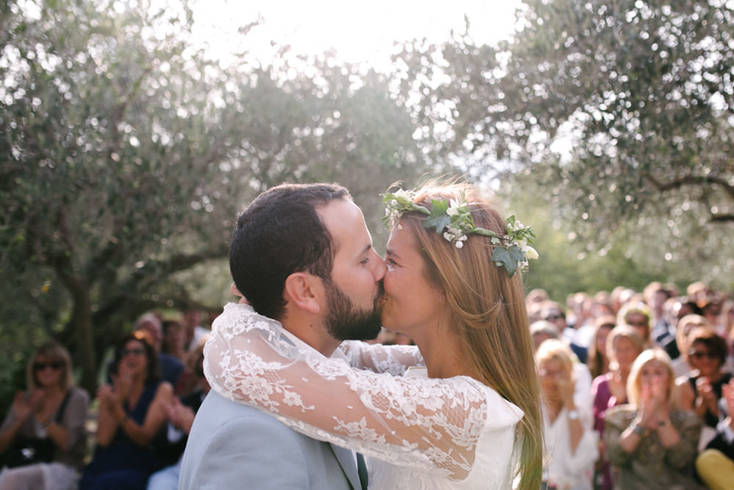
(359, 31)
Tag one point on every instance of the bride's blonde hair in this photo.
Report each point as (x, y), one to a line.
(488, 309)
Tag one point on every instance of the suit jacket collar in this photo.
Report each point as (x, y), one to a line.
(345, 457)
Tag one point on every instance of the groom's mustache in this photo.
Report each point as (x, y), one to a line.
(379, 295)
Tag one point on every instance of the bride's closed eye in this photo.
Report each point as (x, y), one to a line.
(390, 264)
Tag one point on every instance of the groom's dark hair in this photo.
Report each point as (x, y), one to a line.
(278, 234)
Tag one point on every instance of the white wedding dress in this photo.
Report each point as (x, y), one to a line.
(417, 432)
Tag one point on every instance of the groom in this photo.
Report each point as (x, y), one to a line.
(300, 254)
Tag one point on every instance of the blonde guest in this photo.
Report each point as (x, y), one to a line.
(571, 443)
(650, 442)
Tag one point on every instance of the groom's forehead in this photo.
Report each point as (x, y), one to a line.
(344, 221)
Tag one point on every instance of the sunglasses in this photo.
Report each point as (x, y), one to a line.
(55, 365)
(698, 354)
(135, 351)
(550, 318)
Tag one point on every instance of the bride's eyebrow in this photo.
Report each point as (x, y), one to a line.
(391, 253)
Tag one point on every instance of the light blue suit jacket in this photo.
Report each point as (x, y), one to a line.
(232, 446)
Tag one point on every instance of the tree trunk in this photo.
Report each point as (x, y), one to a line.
(80, 324)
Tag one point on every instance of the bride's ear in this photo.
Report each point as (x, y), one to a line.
(305, 291)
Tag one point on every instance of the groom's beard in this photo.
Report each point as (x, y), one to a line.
(344, 321)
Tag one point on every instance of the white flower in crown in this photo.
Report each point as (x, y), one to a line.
(453, 209)
(530, 252)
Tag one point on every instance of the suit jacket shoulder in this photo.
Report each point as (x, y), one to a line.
(234, 446)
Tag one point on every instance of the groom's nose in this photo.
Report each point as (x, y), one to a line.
(380, 268)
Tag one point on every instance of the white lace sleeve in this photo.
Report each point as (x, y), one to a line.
(393, 359)
(432, 424)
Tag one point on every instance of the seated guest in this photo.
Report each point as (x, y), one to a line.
(131, 413)
(637, 315)
(597, 360)
(701, 388)
(578, 337)
(715, 465)
(170, 366)
(571, 444)
(180, 417)
(686, 325)
(650, 442)
(610, 390)
(43, 437)
(174, 340)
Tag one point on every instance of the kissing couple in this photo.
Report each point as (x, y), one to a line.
(297, 400)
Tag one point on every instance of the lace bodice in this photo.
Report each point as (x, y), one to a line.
(412, 423)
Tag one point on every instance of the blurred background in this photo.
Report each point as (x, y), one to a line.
(132, 132)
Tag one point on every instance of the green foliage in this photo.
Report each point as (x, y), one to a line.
(621, 111)
(126, 153)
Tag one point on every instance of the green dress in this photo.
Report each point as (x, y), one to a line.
(651, 466)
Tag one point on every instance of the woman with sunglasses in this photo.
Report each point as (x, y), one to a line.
(43, 437)
(701, 388)
(131, 413)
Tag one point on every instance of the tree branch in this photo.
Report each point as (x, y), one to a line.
(691, 180)
(722, 218)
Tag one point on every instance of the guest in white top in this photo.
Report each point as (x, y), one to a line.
(571, 446)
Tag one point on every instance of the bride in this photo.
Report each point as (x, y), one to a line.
(471, 417)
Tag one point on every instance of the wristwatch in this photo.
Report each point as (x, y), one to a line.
(638, 430)
(573, 414)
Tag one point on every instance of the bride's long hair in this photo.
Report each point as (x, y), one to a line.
(488, 309)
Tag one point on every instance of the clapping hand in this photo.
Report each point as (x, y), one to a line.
(654, 407)
(24, 406)
(106, 396)
(123, 381)
(179, 415)
(705, 396)
(727, 393)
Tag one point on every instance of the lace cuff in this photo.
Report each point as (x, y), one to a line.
(393, 359)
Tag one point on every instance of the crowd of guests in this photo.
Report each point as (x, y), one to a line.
(637, 388)
(637, 393)
(143, 414)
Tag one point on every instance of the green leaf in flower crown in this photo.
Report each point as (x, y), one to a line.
(438, 217)
(509, 258)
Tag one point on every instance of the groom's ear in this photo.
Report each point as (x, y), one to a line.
(305, 291)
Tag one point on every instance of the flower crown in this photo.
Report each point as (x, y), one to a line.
(454, 221)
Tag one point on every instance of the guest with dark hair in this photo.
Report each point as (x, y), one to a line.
(131, 413)
(174, 339)
(170, 366)
(701, 388)
(598, 360)
(686, 325)
(43, 436)
(180, 419)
